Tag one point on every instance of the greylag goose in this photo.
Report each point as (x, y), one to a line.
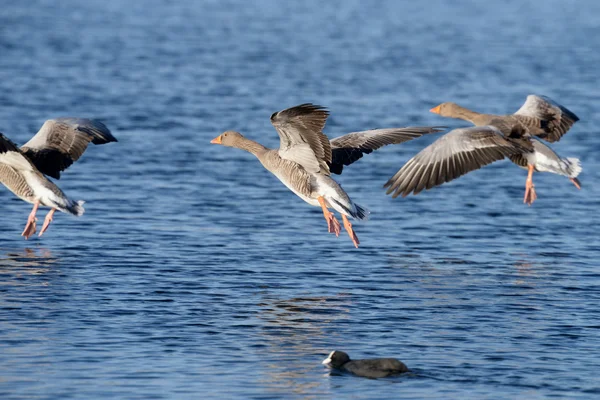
(369, 368)
(454, 154)
(58, 144)
(538, 117)
(306, 158)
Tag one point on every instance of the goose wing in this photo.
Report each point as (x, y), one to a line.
(61, 141)
(11, 156)
(351, 147)
(300, 130)
(454, 154)
(552, 119)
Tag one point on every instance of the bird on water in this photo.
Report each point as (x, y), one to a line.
(369, 368)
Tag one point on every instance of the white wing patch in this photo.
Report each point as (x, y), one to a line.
(303, 155)
(16, 160)
(38, 141)
(538, 107)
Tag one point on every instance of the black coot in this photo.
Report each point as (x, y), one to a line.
(373, 368)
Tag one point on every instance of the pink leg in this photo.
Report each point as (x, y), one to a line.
(30, 227)
(47, 221)
(350, 231)
(530, 194)
(333, 224)
(576, 182)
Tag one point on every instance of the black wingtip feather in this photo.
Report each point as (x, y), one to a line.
(570, 114)
(336, 168)
(6, 144)
(97, 130)
(302, 109)
(100, 132)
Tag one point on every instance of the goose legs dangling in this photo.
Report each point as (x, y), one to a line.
(350, 231)
(30, 227)
(530, 195)
(333, 225)
(47, 220)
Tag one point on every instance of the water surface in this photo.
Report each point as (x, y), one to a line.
(195, 274)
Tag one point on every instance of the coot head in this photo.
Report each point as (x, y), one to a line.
(336, 359)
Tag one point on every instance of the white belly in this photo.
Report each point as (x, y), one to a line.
(544, 159)
(322, 186)
(44, 194)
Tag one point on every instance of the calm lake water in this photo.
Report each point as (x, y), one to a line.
(195, 274)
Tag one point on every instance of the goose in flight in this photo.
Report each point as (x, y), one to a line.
(306, 158)
(514, 136)
(59, 143)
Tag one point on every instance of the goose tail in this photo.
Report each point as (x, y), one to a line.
(75, 207)
(572, 166)
(360, 212)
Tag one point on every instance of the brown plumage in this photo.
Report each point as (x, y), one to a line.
(12, 165)
(55, 147)
(300, 130)
(539, 117)
(61, 141)
(349, 148)
(458, 152)
(306, 158)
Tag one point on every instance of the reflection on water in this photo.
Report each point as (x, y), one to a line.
(26, 261)
(294, 329)
(527, 269)
(153, 293)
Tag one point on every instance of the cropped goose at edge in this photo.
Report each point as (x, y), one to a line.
(58, 144)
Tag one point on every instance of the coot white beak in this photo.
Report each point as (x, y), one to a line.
(327, 361)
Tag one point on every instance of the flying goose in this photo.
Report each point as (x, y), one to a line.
(539, 117)
(306, 158)
(58, 144)
(456, 153)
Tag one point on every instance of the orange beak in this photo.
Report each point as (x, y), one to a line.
(436, 109)
(217, 140)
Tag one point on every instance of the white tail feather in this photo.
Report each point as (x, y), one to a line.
(76, 207)
(572, 166)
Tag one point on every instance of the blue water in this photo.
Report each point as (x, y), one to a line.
(195, 274)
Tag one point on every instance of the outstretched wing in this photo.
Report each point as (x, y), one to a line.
(11, 156)
(453, 155)
(551, 119)
(61, 141)
(300, 129)
(349, 148)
